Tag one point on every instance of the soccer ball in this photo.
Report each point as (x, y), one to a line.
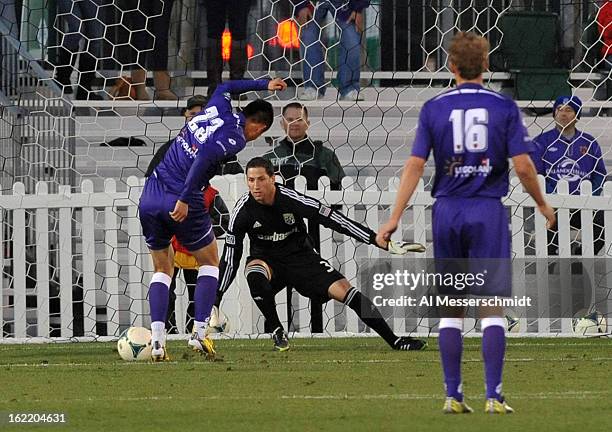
(134, 344)
(585, 323)
(218, 323)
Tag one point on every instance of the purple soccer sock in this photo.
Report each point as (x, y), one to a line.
(205, 292)
(451, 349)
(493, 351)
(158, 296)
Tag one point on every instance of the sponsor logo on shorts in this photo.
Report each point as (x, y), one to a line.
(230, 239)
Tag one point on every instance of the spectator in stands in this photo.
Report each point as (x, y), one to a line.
(349, 19)
(604, 26)
(77, 21)
(297, 154)
(565, 153)
(146, 43)
(218, 12)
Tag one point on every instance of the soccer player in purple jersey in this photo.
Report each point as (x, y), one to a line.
(472, 132)
(171, 202)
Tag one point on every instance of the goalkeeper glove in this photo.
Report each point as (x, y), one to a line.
(402, 248)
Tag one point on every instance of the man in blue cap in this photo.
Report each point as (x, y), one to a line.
(565, 153)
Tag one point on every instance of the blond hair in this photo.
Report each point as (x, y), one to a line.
(468, 53)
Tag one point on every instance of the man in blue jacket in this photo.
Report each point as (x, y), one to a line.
(566, 153)
(349, 18)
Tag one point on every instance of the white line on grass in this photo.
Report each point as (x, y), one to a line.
(572, 395)
(283, 361)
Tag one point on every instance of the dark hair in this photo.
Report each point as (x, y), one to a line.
(295, 105)
(260, 111)
(468, 53)
(259, 162)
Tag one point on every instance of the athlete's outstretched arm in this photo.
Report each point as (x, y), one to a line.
(312, 209)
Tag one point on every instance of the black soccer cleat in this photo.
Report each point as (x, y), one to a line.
(281, 340)
(407, 343)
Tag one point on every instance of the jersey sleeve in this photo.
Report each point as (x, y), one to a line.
(221, 96)
(234, 243)
(423, 141)
(312, 209)
(517, 138)
(537, 154)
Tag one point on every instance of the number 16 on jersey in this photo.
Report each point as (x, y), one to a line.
(470, 130)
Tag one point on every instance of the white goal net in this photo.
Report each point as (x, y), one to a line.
(90, 90)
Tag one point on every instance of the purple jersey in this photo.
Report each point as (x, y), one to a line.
(571, 159)
(472, 131)
(212, 136)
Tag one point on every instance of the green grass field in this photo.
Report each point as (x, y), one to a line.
(321, 384)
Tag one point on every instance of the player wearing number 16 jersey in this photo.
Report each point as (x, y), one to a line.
(171, 203)
(472, 132)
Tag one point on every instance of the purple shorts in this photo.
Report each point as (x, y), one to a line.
(158, 227)
(473, 234)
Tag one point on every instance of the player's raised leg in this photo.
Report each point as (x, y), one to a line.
(342, 291)
(259, 275)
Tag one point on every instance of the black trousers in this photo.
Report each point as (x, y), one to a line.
(234, 12)
(147, 44)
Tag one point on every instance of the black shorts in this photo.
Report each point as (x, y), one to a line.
(306, 271)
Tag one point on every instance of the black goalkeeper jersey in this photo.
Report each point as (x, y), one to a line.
(278, 230)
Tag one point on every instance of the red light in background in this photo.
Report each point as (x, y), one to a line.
(226, 45)
(287, 34)
(250, 51)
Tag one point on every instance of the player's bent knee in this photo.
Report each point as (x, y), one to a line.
(339, 289)
(257, 279)
(258, 266)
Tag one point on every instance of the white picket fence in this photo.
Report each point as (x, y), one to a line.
(99, 239)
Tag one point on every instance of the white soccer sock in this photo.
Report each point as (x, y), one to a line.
(200, 328)
(158, 332)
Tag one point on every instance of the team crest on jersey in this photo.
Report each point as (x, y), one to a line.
(289, 218)
(257, 225)
(230, 239)
(584, 150)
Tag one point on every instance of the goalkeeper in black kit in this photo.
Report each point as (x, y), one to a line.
(282, 253)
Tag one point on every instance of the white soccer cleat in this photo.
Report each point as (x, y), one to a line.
(218, 322)
(158, 353)
(402, 248)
